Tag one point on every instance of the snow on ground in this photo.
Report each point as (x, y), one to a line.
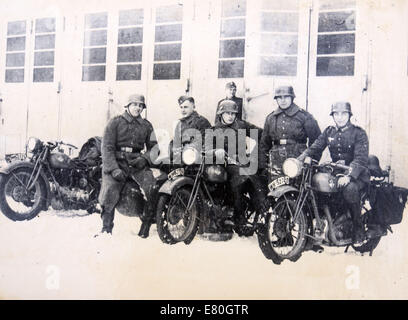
(55, 256)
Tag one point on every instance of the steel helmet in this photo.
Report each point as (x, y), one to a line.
(227, 106)
(284, 91)
(136, 98)
(341, 106)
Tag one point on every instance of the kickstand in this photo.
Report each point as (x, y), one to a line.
(345, 250)
(371, 252)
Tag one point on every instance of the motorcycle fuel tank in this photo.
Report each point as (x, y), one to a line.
(324, 182)
(216, 173)
(59, 160)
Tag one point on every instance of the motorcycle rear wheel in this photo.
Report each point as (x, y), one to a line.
(173, 223)
(276, 237)
(16, 202)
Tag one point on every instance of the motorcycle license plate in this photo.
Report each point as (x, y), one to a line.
(278, 182)
(176, 173)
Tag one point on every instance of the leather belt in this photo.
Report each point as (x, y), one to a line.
(128, 149)
(287, 141)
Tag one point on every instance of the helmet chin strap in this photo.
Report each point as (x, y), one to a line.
(128, 111)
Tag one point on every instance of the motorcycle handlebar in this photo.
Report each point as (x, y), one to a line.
(339, 166)
(56, 143)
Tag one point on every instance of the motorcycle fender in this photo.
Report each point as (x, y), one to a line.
(280, 191)
(171, 185)
(24, 164)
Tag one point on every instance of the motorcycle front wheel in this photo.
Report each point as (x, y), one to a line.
(281, 237)
(16, 201)
(174, 223)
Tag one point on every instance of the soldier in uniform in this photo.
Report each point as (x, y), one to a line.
(228, 111)
(190, 120)
(348, 144)
(287, 130)
(124, 138)
(230, 91)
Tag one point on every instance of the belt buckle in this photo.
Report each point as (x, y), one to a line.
(126, 149)
(283, 141)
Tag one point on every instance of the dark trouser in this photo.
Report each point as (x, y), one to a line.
(108, 198)
(240, 184)
(352, 194)
(111, 192)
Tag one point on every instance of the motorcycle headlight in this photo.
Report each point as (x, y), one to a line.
(33, 144)
(292, 167)
(189, 156)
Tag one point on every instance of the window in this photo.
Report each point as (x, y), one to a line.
(130, 44)
(279, 38)
(95, 40)
(168, 42)
(15, 51)
(44, 50)
(232, 39)
(336, 38)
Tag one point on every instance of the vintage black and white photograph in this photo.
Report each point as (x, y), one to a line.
(203, 149)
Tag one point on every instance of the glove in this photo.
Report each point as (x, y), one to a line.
(118, 175)
(138, 163)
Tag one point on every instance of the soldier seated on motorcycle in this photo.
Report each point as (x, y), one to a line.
(236, 149)
(189, 126)
(124, 138)
(349, 144)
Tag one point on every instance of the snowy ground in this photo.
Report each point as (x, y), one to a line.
(55, 256)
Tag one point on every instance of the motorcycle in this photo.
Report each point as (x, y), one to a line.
(196, 198)
(49, 177)
(306, 209)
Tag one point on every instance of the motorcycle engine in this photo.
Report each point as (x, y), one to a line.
(70, 199)
(343, 227)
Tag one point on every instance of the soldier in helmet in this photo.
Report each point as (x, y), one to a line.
(124, 138)
(287, 129)
(348, 144)
(230, 91)
(230, 125)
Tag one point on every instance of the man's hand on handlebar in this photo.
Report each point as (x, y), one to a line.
(343, 181)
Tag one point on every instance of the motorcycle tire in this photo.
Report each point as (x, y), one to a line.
(170, 221)
(275, 224)
(10, 188)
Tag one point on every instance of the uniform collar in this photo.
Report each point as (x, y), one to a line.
(291, 111)
(129, 118)
(192, 115)
(224, 125)
(345, 128)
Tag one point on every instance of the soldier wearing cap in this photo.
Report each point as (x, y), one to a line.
(287, 130)
(124, 138)
(183, 133)
(347, 144)
(229, 122)
(230, 91)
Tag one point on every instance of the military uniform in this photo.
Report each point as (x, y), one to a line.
(237, 180)
(348, 144)
(286, 133)
(238, 102)
(193, 121)
(123, 140)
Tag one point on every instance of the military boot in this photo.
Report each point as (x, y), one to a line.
(358, 228)
(144, 229)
